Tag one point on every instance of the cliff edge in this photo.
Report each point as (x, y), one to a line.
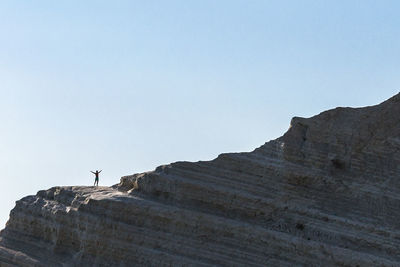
(326, 193)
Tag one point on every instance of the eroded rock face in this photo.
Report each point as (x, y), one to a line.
(327, 193)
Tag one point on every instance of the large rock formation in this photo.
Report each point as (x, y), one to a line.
(327, 193)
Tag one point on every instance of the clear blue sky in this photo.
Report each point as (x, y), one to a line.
(125, 86)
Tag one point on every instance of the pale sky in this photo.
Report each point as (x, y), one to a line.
(125, 86)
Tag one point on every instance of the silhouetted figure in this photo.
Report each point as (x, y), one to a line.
(96, 180)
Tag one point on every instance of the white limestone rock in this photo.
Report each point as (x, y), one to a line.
(326, 193)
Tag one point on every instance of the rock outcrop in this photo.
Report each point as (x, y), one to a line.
(326, 193)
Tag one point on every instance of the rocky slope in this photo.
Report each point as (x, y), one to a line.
(327, 193)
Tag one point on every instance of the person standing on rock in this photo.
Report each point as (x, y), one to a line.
(96, 180)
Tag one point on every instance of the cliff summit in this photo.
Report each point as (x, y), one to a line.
(326, 193)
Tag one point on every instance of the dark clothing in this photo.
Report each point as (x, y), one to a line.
(96, 180)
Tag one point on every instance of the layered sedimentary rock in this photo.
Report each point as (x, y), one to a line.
(326, 193)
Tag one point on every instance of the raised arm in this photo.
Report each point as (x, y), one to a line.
(100, 171)
(93, 172)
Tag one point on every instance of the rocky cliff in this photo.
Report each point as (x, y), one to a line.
(326, 193)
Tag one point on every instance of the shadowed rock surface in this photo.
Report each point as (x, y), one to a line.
(326, 193)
